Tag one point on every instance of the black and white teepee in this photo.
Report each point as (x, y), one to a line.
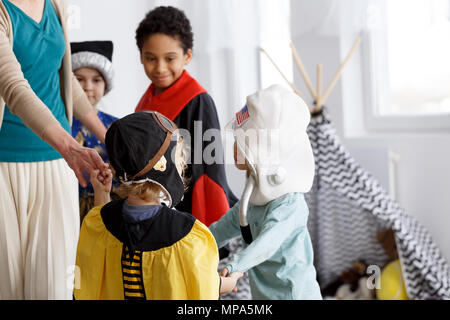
(348, 208)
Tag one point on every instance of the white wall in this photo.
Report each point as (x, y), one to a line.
(324, 33)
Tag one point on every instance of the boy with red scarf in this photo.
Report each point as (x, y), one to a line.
(165, 42)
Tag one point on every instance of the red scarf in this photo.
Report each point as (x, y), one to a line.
(171, 101)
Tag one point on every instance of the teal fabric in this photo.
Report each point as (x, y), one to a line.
(280, 258)
(39, 48)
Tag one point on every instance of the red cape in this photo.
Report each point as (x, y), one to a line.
(172, 100)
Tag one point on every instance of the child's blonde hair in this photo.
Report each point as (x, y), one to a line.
(153, 192)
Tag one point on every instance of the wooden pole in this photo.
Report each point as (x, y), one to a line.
(303, 72)
(339, 71)
(319, 88)
(286, 79)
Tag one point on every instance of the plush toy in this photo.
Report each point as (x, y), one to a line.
(350, 284)
(362, 292)
(348, 278)
(387, 240)
(390, 283)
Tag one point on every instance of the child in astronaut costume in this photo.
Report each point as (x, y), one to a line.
(272, 214)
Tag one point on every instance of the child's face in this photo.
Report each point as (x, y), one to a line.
(163, 59)
(92, 83)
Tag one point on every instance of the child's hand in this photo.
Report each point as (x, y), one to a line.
(102, 183)
(224, 272)
(229, 281)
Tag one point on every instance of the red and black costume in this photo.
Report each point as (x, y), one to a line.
(208, 196)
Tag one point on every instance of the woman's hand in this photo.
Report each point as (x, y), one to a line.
(78, 158)
(81, 158)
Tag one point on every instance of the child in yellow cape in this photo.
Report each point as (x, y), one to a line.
(141, 247)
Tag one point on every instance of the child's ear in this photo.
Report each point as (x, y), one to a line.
(188, 56)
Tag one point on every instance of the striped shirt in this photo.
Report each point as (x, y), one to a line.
(133, 286)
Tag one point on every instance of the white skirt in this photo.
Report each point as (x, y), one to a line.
(39, 228)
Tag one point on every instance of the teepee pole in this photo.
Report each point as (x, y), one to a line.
(338, 73)
(286, 79)
(303, 72)
(319, 88)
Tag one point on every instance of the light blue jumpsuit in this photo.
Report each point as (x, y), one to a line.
(280, 258)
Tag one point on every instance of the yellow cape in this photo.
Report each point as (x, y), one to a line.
(185, 270)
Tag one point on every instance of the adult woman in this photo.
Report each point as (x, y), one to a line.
(39, 218)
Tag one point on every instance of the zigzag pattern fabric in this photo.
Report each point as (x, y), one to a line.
(347, 209)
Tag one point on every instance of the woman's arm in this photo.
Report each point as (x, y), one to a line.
(95, 125)
(23, 102)
(16, 91)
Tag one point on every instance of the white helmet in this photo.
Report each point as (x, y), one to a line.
(270, 131)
